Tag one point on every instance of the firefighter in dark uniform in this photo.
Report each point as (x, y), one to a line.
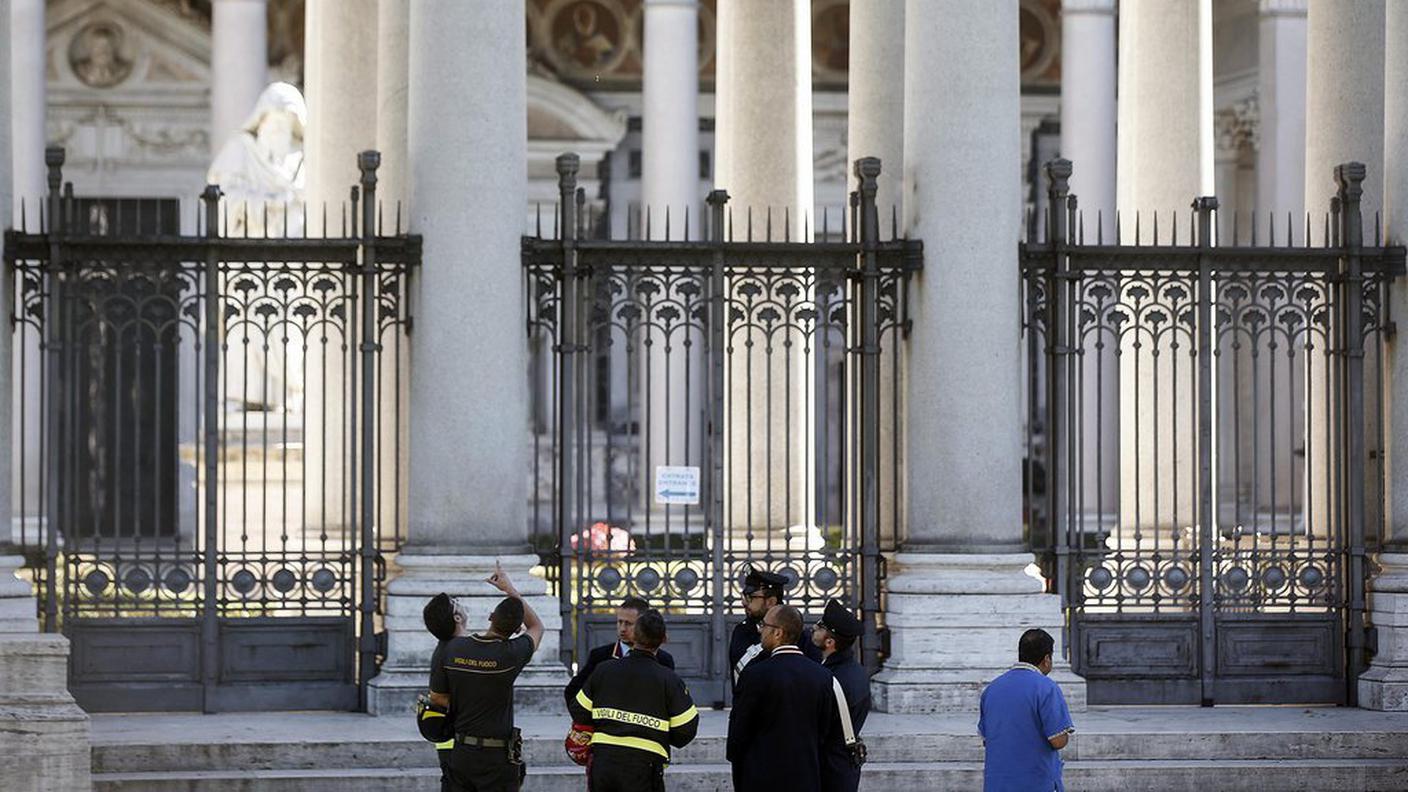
(761, 591)
(474, 679)
(836, 634)
(784, 711)
(638, 710)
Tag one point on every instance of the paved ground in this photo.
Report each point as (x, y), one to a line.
(116, 729)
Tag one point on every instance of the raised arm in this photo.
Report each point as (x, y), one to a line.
(532, 625)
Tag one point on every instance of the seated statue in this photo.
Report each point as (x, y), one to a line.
(260, 172)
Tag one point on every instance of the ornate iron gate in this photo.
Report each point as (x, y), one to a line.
(1208, 419)
(763, 365)
(175, 529)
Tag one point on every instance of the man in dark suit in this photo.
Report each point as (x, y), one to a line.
(784, 711)
(761, 591)
(836, 634)
(627, 613)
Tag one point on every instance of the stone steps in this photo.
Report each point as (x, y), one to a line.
(1091, 775)
(1251, 748)
(709, 749)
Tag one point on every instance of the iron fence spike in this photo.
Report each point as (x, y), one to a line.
(1175, 229)
(1156, 226)
(1100, 226)
(1378, 229)
(894, 222)
(686, 223)
(1236, 229)
(1290, 229)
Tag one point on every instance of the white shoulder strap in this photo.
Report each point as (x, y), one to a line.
(847, 729)
(748, 656)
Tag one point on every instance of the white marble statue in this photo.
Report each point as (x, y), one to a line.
(260, 171)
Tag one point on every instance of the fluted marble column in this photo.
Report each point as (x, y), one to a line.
(392, 74)
(875, 128)
(1345, 43)
(763, 155)
(27, 103)
(670, 187)
(239, 63)
(1165, 161)
(958, 595)
(1088, 114)
(1384, 686)
(467, 142)
(340, 57)
(1281, 91)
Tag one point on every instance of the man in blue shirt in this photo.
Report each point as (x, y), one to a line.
(1024, 722)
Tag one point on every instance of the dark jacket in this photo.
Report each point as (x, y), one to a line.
(745, 634)
(839, 773)
(600, 655)
(637, 707)
(783, 712)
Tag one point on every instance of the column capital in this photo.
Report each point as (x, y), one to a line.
(1283, 7)
(680, 3)
(1088, 7)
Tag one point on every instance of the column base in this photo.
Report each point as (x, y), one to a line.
(43, 732)
(954, 622)
(406, 671)
(1384, 686)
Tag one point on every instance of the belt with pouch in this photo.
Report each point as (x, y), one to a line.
(481, 742)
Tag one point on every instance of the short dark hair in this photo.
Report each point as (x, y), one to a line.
(1034, 646)
(439, 615)
(637, 604)
(650, 629)
(507, 616)
(789, 620)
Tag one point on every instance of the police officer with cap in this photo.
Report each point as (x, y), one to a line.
(836, 634)
(761, 591)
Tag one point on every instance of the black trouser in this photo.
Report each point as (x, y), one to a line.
(482, 770)
(443, 754)
(626, 770)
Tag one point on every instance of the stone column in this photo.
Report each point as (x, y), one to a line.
(392, 64)
(1280, 161)
(1165, 161)
(1384, 686)
(763, 156)
(1344, 123)
(27, 102)
(875, 128)
(959, 594)
(469, 428)
(670, 184)
(239, 64)
(43, 733)
(1088, 141)
(340, 57)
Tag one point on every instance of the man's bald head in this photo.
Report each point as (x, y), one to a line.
(789, 621)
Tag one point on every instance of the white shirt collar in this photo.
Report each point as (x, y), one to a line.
(786, 649)
(1027, 666)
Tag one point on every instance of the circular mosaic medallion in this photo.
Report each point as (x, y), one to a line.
(1236, 578)
(608, 578)
(647, 579)
(244, 582)
(284, 581)
(1274, 577)
(1138, 578)
(96, 582)
(1311, 576)
(177, 580)
(324, 580)
(137, 580)
(1176, 578)
(1101, 578)
(686, 579)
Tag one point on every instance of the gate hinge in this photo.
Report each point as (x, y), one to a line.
(1371, 640)
(884, 635)
(382, 643)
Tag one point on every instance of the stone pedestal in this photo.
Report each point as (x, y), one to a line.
(406, 671)
(1385, 685)
(954, 622)
(43, 733)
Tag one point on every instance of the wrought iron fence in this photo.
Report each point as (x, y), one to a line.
(743, 353)
(1205, 432)
(209, 443)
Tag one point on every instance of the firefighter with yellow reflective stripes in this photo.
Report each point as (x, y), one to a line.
(639, 709)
